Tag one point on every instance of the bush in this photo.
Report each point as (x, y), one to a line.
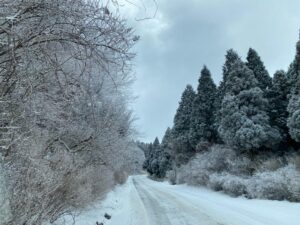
(282, 184)
(171, 176)
(120, 176)
(221, 169)
(294, 159)
(271, 164)
(217, 160)
(230, 184)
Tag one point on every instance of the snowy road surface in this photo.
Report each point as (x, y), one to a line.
(142, 201)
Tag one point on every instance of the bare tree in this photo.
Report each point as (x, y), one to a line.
(65, 128)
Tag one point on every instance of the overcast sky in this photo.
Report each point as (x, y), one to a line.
(186, 34)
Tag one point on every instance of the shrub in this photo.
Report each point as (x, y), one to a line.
(120, 176)
(281, 184)
(171, 176)
(230, 184)
(271, 164)
(221, 169)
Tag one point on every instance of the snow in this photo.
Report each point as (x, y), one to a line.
(122, 203)
(142, 201)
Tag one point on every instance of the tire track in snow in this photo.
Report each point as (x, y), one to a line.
(166, 209)
(156, 211)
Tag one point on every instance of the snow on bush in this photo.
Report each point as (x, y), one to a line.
(280, 184)
(217, 160)
(230, 184)
(221, 169)
(171, 176)
(66, 125)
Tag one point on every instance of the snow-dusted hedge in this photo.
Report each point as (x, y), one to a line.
(221, 169)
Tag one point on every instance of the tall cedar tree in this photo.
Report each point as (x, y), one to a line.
(294, 103)
(165, 161)
(244, 120)
(256, 65)
(278, 101)
(148, 152)
(230, 58)
(292, 76)
(202, 118)
(182, 123)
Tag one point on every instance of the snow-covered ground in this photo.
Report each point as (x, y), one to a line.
(142, 201)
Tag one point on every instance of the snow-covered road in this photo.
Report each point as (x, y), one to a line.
(142, 201)
(166, 204)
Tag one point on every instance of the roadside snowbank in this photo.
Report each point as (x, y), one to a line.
(122, 203)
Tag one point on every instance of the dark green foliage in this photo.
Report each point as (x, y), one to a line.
(278, 101)
(152, 159)
(297, 68)
(256, 65)
(202, 118)
(240, 78)
(158, 159)
(165, 162)
(230, 58)
(182, 119)
(182, 123)
(244, 119)
(294, 103)
(294, 117)
(148, 149)
(291, 75)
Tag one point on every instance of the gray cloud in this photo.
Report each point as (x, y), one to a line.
(186, 34)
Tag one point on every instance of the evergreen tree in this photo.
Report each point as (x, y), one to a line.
(294, 103)
(239, 79)
(158, 159)
(244, 120)
(278, 101)
(148, 152)
(153, 164)
(182, 118)
(156, 143)
(256, 65)
(292, 76)
(167, 140)
(165, 161)
(182, 123)
(294, 117)
(202, 117)
(230, 58)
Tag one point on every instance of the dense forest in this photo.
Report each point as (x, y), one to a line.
(241, 137)
(65, 127)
